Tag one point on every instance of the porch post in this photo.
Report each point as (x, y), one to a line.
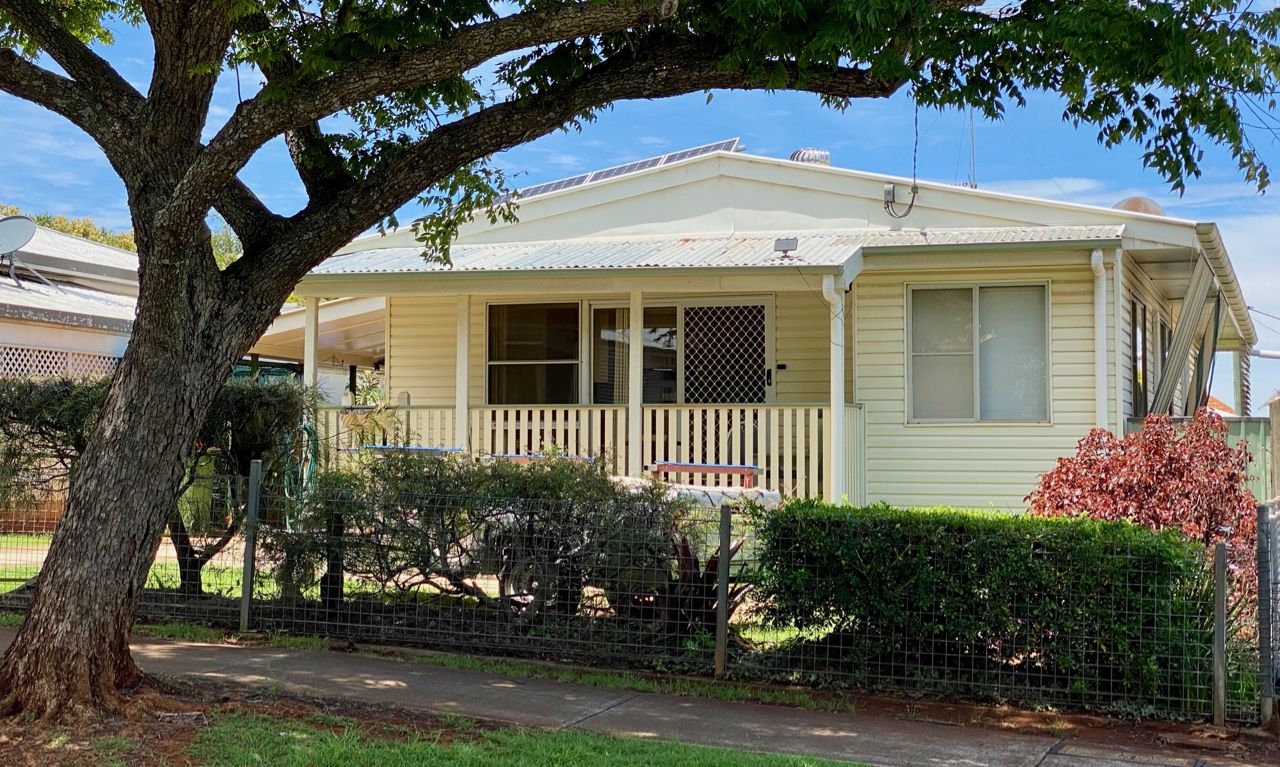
(836, 447)
(311, 342)
(461, 376)
(635, 384)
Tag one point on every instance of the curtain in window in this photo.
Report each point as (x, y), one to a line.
(1013, 361)
(942, 354)
(533, 354)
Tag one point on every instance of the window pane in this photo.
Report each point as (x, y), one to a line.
(533, 332)
(533, 384)
(1012, 355)
(942, 386)
(610, 350)
(942, 320)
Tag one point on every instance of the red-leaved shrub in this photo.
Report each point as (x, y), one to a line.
(1167, 475)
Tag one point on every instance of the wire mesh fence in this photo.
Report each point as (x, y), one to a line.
(1121, 625)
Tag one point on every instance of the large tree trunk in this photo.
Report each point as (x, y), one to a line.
(71, 658)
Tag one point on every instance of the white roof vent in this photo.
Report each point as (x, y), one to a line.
(811, 155)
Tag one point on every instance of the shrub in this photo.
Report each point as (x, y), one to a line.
(1077, 610)
(1167, 475)
(545, 531)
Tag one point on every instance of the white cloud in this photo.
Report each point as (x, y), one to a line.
(1065, 188)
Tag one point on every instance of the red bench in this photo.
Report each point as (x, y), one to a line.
(748, 473)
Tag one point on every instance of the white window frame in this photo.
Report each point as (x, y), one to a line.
(680, 304)
(488, 395)
(910, 288)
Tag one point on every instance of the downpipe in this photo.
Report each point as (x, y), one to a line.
(1099, 268)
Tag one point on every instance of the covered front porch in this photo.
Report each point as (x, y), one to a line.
(787, 446)
(731, 387)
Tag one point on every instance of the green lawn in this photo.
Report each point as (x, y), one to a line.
(24, 540)
(242, 740)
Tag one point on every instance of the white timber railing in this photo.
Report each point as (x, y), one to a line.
(594, 430)
(785, 442)
(350, 428)
(788, 443)
(855, 454)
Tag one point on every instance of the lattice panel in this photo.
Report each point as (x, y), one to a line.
(724, 354)
(23, 361)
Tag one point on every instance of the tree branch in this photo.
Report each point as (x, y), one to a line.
(274, 111)
(82, 64)
(255, 224)
(191, 40)
(74, 101)
(320, 168)
(666, 68)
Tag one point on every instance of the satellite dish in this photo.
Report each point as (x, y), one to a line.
(15, 232)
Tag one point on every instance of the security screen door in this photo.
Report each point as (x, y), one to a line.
(726, 355)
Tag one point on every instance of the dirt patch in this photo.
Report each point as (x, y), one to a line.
(162, 721)
(1222, 745)
(155, 732)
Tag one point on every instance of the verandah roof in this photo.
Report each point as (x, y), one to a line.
(814, 249)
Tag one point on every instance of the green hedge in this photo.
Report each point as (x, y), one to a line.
(1070, 610)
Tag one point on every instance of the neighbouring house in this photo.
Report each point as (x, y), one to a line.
(66, 306)
(848, 334)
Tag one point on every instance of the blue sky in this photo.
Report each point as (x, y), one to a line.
(49, 166)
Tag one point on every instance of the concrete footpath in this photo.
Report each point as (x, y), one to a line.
(871, 739)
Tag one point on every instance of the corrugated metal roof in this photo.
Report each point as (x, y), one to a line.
(822, 249)
(67, 305)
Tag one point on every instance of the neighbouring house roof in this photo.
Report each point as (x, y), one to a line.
(737, 251)
(66, 304)
(64, 256)
(1220, 407)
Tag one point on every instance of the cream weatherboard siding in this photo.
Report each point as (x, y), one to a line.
(802, 343)
(974, 465)
(420, 348)
(422, 336)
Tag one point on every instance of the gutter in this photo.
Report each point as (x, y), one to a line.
(69, 319)
(1224, 273)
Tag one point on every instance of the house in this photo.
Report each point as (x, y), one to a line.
(66, 306)
(849, 334)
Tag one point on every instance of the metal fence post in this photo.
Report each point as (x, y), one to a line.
(1220, 634)
(1266, 645)
(722, 588)
(250, 541)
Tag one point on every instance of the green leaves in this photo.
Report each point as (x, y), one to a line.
(85, 19)
(978, 602)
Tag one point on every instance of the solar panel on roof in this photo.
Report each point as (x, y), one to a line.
(728, 145)
(622, 170)
(555, 186)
